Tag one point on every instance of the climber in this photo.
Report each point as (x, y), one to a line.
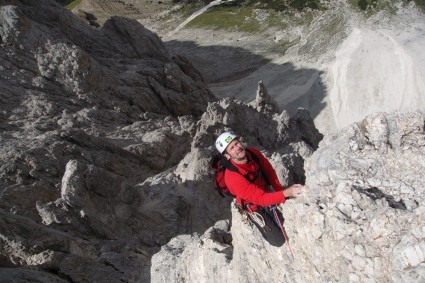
(251, 184)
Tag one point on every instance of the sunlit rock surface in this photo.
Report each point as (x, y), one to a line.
(105, 142)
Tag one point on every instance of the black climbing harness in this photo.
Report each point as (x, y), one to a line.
(249, 216)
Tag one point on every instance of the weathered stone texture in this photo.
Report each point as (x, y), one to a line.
(105, 141)
(366, 184)
(85, 116)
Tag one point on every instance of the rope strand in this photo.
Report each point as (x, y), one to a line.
(255, 216)
(291, 253)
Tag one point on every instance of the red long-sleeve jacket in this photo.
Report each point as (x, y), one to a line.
(256, 193)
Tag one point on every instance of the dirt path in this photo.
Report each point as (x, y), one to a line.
(196, 14)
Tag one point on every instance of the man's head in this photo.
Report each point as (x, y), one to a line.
(229, 145)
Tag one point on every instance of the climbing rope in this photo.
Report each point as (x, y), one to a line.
(276, 216)
(248, 214)
(255, 216)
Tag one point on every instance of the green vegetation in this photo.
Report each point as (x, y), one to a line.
(303, 4)
(280, 5)
(241, 15)
(372, 6)
(364, 4)
(239, 18)
(186, 10)
(72, 4)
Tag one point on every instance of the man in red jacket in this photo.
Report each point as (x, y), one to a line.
(251, 182)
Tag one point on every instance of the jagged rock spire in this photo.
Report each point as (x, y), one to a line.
(263, 101)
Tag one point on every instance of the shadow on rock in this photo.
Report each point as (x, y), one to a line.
(235, 72)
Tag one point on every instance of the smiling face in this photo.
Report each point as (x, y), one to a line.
(235, 150)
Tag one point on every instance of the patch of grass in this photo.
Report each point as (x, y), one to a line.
(373, 6)
(306, 19)
(300, 5)
(276, 5)
(183, 12)
(275, 20)
(287, 5)
(71, 5)
(188, 9)
(228, 18)
(240, 15)
(365, 4)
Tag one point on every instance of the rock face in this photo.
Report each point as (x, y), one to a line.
(105, 142)
(287, 141)
(360, 220)
(68, 88)
(366, 184)
(87, 116)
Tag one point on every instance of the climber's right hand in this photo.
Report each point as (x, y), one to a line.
(293, 191)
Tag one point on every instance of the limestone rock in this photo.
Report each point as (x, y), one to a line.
(362, 209)
(196, 258)
(87, 116)
(105, 142)
(366, 184)
(263, 101)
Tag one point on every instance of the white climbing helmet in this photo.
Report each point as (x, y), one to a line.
(223, 141)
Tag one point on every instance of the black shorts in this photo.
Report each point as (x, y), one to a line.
(271, 231)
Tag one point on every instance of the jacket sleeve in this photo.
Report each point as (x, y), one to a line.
(268, 170)
(242, 188)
